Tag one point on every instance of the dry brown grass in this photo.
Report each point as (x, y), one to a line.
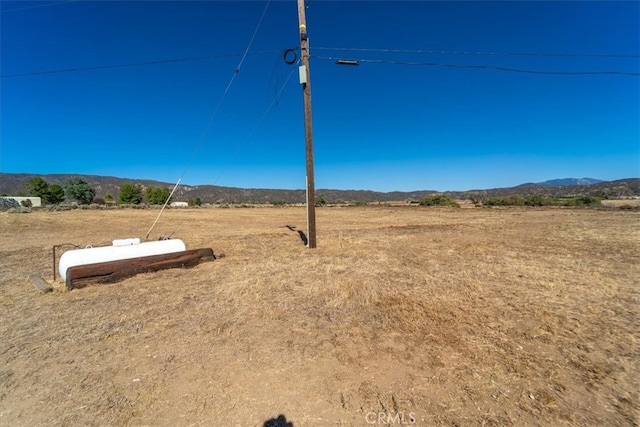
(458, 316)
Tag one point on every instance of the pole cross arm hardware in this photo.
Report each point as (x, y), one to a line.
(303, 32)
(347, 62)
(302, 70)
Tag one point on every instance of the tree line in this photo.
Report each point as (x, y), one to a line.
(79, 191)
(514, 200)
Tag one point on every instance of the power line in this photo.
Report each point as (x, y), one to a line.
(253, 36)
(215, 110)
(226, 90)
(137, 64)
(480, 53)
(244, 142)
(485, 67)
(264, 115)
(37, 5)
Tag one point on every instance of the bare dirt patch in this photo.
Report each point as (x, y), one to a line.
(424, 315)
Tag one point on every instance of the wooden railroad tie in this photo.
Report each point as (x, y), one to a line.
(114, 271)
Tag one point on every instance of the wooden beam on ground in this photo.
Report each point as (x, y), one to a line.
(40, 284)
(114, 271)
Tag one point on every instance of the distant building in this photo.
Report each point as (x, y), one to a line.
(179, 204)
(36, 202)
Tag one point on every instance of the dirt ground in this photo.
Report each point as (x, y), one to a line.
(402, 316)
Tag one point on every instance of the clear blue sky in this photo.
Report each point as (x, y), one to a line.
(379, 126)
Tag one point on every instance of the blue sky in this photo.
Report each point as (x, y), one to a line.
(384, 125)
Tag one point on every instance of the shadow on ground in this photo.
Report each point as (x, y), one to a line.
(280, 421)
(303, 236)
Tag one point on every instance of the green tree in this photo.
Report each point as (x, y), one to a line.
(161, 195)
(26, 203)
(108, 198)
(38, 187)
(130, 194)
(156, 196)
(78, 190)
(148, 195)
(56, 194)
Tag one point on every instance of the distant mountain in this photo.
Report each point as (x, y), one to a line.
(571, 181)
(629, 187)
(16, 184)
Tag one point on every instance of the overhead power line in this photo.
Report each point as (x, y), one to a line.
(253, 130)
(486, 67)
(138, 64)
(479, 53)
(215, 110)
(37, 5)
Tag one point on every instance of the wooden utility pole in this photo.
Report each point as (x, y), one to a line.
(305, 80)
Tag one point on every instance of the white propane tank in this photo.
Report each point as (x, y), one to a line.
(121, 249)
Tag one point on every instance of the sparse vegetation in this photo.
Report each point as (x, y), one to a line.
(540, 200)
(195, 202)
(19, 209)
(529, 314)
(583, 201)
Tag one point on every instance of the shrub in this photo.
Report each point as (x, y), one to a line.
(588, 201)
(629, 207)
(20, 209)
(320, 200)
(537, 200)
(438, 200)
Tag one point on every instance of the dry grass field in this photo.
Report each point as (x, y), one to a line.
(427, 316)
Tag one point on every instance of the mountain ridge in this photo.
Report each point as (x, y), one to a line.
(15, 184)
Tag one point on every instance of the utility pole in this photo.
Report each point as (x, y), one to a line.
(305, 81)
